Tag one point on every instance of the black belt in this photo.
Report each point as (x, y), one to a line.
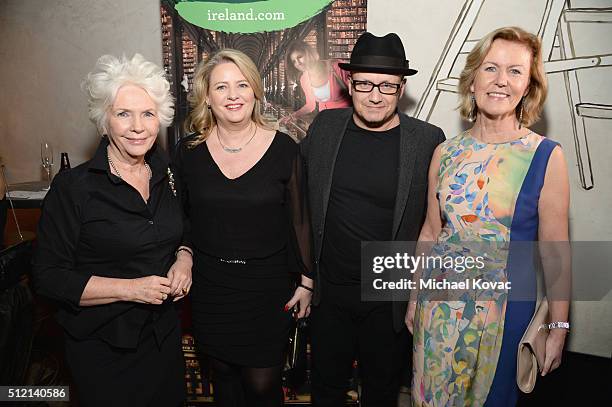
(280, 256)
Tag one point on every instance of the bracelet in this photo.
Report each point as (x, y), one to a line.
(183, 249)
(559, 324)
(305, 287)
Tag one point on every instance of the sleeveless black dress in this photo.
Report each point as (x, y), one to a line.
(251, 238)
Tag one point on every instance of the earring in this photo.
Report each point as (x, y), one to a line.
(208, 106)
(521, 113)
(473, 110)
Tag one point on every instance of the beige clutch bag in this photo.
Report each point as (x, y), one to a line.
(532, 349)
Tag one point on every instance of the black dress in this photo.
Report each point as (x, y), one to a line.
(95, 224)
(251, 237)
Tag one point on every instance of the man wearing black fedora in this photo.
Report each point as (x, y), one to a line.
(367, 179)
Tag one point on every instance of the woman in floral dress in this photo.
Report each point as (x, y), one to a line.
(495, 184)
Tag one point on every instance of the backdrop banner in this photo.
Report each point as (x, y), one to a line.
(296, 45)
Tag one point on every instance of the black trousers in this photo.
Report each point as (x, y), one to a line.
(344, 329)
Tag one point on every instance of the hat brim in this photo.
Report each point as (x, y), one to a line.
(377, 69)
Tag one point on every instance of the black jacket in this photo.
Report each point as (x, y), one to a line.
(95, 224)
(319, 150)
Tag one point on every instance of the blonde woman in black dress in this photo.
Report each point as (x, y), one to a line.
(242, 194)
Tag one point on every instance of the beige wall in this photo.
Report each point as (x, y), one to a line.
(47, 48)
(424, 27)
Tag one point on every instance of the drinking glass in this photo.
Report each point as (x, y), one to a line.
(46, 158)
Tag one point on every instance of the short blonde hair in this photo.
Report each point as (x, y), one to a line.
(533, 102)
(111, 73)
(201, 120)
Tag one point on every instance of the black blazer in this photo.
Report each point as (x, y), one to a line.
(319, 150)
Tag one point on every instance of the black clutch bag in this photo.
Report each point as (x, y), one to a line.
(295, 364)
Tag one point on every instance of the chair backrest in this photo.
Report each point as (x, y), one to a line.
(15, 261)
(16, 313)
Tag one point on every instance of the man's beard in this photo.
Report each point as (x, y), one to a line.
(375, 124)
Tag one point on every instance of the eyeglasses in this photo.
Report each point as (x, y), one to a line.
(386, 88)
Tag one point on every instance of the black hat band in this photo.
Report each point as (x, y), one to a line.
(379, 60)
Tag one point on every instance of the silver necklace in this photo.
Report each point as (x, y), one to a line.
(234, 150)
(112, 164)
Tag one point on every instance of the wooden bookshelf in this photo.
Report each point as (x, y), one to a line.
(345, 22)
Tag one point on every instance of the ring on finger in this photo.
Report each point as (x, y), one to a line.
(184, 290)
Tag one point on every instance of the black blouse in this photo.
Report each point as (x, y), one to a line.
(257, 215)
(95, 224)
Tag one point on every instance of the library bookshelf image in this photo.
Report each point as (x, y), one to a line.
(332, 34)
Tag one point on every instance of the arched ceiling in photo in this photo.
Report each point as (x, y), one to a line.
(253, 45)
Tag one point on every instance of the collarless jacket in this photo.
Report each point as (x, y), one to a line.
(319, 150)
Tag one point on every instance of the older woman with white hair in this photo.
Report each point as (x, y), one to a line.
(109, 246)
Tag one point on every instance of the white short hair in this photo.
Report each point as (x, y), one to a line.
(112, 73)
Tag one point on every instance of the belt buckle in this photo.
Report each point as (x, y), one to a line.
(232, 261)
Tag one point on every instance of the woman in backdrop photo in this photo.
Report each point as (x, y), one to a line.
(108, 246)
(248, 225)
(324, 84)
(497, 183)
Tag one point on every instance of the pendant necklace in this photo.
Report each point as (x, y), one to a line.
(234, 150)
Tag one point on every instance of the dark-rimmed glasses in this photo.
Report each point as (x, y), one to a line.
(386, 88)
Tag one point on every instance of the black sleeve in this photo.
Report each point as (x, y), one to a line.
(182, 191)
(301, 233)
(53, 271)
(441, 136)
(304, 144)
(312, 130)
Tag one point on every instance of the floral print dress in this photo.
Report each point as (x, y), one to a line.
(488, 193)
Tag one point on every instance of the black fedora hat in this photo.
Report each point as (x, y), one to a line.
(379, 55)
